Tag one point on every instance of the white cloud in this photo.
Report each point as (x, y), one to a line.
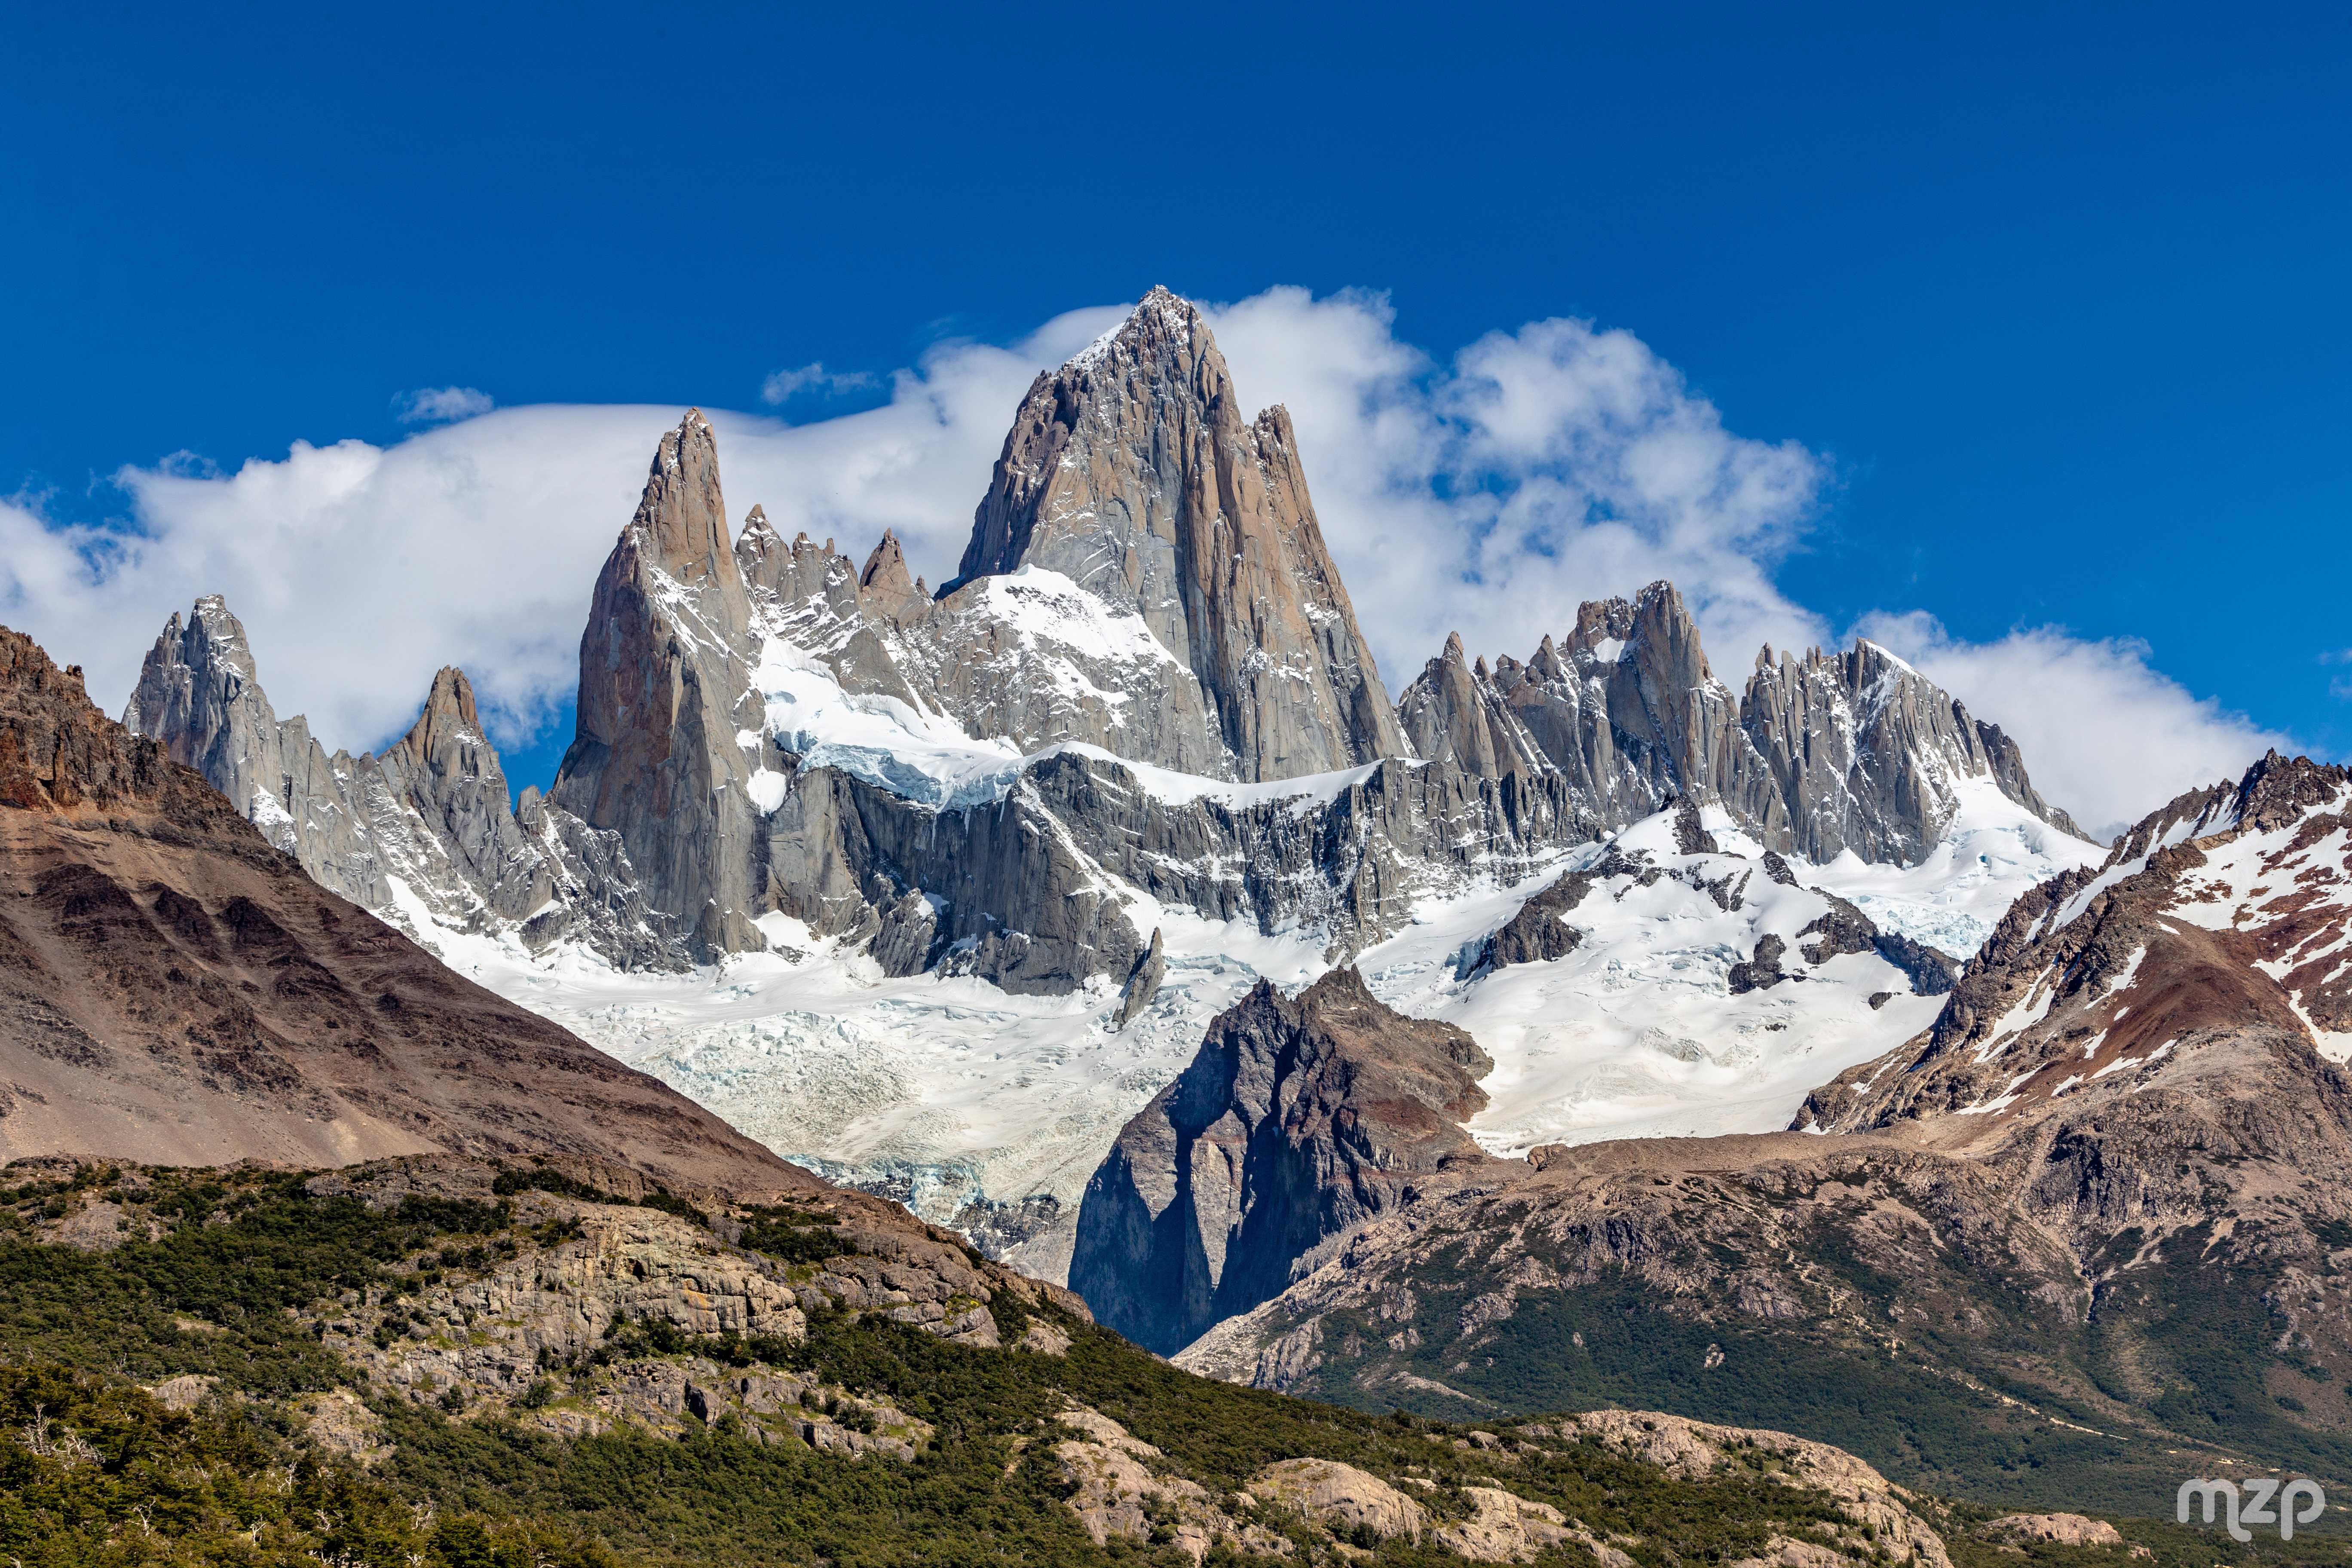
(440, 404)
(360, 569)
(1538, 469)
(2105, 734)
(1488, 494)
(782, 385)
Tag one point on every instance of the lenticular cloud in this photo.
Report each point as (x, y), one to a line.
(1487, 494)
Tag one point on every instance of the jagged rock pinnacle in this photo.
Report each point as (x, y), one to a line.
(1132, 471)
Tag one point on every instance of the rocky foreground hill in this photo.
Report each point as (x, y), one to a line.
(444, 1363)
(2092, 1226)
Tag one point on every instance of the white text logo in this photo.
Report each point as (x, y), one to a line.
(2254, 1506)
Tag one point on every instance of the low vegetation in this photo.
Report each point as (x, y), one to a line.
(154, 1399)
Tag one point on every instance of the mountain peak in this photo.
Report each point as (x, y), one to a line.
(452, 692)
(682, 514)
(668, 654)
(449, 720)
(1131, 471)
(884, 588)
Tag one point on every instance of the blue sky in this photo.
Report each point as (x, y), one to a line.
(2056, 296)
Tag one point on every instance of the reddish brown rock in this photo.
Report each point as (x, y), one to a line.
(176, 990)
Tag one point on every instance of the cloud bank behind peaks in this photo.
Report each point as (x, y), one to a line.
(2105, 734)
(1537, 469)
(1488, 494)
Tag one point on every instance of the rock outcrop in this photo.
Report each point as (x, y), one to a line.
(1359, 1504)
(666, 688)
(1877, 1515)
(174, 987)
(1865, 752)
(1132, 472)
(1539, 932)
(424, 827)
(1120, 1486)
(819, 602)
(2054, 1529)
(1142, 983)
(1296, 1121)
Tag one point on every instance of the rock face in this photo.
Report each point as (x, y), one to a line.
(1539, 932)
(820, 602)
(200, 694)
(1296, 1121)
(1864, 752)
(1023, 885)
(666, 688)
(1819, 755)
(1456, 714)
(172, 986)
(1132, 472)
(1032, 885)
(2116, 1148)
(426, 825)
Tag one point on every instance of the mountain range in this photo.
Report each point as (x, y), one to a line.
(1141, 720)
(1579, 1030)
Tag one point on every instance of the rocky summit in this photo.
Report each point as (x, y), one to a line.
(1817, 756)
(1133, 472)
(424, 836)
(664, 688)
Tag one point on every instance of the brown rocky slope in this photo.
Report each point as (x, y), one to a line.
(596, 1369)
(174, 990)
